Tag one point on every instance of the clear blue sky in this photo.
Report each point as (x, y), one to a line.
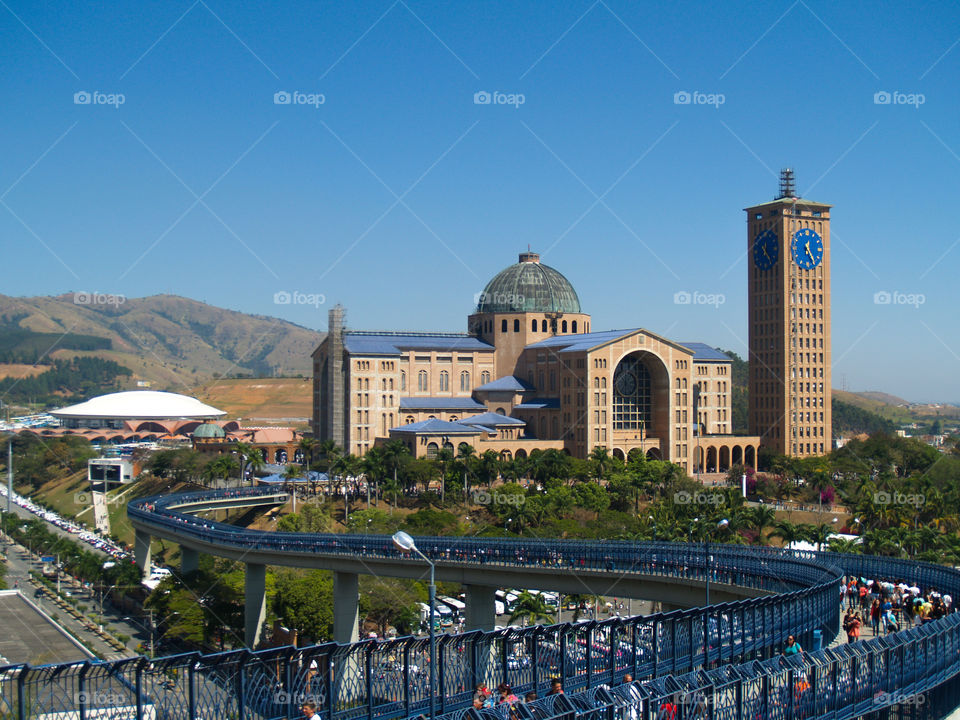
(399, 196)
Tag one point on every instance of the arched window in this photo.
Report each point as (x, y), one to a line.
(573, 326)
(484, 377)
(631, 395)
(422, 380)
(444, 381)
(403, 379)
(543, 326)
(465, 381)
(500, 411)
(533, 325)
(516, 325)
(563, 326)
(432, 449)
(503, 325)
(408, 420)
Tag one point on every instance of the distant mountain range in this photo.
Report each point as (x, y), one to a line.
(172, 342)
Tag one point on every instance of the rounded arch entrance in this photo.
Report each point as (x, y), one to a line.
(641, 398)
(654, 454)
(618, 454)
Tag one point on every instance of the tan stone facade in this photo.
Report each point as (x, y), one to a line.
(539, 363)
(789, 326)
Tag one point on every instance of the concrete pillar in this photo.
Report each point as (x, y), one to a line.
(346, 607)
(480, 608)
(141, 551)
(255, 603)
(189, 560)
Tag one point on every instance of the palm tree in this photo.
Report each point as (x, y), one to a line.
(601, 460)
(820, 534)
(758, 519)
(787, 532)
(308, 446)
(844, 545)
(329, 451)
(444, 458)
(530, 607)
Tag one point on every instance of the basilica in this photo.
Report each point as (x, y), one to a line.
(529, 374)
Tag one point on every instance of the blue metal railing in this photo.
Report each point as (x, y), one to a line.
(722, 660)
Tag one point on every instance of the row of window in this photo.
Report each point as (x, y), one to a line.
(817, 448)
(806, 372)
(538, 326)
(423, 380)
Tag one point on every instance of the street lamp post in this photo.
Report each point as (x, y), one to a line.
(707, 562)
(404, 543)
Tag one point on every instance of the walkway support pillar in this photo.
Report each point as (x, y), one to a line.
(141, 552)
(189, 560)
(346, 607)
(255, 603)
(481, 614)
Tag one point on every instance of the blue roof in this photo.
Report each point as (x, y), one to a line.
(437, 427)
(704, 353)
(539, 404)
(582, 341)
(393, 343)
(508, 383)
(440, 403)
(311, 476)
(492, 419)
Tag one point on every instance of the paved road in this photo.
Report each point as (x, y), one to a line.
(20, 565)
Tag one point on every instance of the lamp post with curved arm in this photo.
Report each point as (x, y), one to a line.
(406, 544)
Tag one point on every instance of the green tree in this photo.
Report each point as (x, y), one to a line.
(304, 602)
(530, 608)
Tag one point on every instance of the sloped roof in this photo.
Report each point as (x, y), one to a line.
(705, 353)
(582, 341)
(437, 427)
(509, 383)
(393, 343)
(140, 405)
(492, 419)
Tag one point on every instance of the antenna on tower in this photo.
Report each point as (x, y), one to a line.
(788, 187)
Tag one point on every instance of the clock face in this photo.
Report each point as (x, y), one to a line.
(626, 383)
(806, 248)
(766, 250)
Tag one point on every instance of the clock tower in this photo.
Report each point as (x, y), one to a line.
(789, 323)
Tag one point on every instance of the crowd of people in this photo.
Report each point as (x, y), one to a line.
(886, 607)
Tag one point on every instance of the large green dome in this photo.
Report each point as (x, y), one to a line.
(529, 286)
